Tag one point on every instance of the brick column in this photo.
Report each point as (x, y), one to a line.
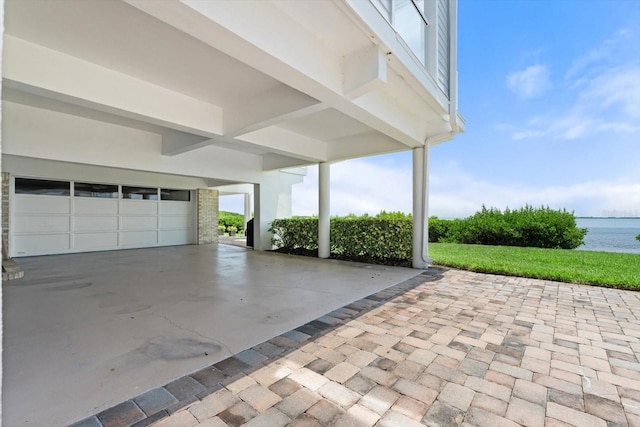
(207, 216)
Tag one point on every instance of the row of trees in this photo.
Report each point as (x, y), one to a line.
(231, 221)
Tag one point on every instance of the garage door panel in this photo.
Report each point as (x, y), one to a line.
(175, 208)
(133, 223)
(39, 204)
(95, 223)
(40, 224)
(176, 237)
(37, 244)
(43, 224)
(138, 239)
(138, 207)
(93, 206)
(95, 240)
(173, 222)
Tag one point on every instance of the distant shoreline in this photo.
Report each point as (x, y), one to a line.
(608, 217)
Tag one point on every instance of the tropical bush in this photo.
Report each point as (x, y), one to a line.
(231, 219)
(439, 228)
(528, 227)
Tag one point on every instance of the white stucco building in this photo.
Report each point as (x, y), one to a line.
(121, 118)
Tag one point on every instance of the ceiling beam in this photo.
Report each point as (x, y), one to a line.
(268, 108)
(36, 69)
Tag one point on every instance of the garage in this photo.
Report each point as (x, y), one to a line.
(51, 216)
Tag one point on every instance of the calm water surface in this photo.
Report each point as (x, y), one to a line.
(611, 234)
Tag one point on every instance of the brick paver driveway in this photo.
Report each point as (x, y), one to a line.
(445, 349)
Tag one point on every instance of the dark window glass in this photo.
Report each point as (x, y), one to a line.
(43, 187)
(105, 191)
(139, 193)
(179, 195)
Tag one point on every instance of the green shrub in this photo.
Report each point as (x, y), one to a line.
(387, 237)
(438, 228)
(374, 238)
(528, 227)
(365, 237)
(229, 219)
(295, 233)
(638, 237)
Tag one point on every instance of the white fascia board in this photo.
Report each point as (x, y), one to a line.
(50, 73)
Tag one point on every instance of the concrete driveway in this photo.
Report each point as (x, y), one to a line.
(445, 348)
(87, 331)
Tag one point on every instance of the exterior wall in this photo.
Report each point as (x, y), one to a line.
(207, 216)
(272, 200)
(444, 45)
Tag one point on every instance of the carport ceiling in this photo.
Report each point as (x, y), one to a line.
(120, 37)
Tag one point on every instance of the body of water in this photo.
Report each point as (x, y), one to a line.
(611, 234)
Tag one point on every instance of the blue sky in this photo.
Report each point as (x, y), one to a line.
(550, 90)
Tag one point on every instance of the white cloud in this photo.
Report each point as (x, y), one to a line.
(605, 91)
(594, 58)
(589, 198)
(609, 103)
(531, 82)
(357, 186)
(361, 186)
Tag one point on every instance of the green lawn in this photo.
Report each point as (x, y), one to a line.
(593, 268)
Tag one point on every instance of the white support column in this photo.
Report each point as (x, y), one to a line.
(420, 258)
(324, 246)
(247, 208)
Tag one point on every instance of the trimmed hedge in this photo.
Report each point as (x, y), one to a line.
(387, 237)
(376, 239)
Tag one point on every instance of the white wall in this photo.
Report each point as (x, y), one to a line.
(43, 168)
(272, 200)
(34, 132)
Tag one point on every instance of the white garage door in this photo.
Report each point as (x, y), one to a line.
(53, 217)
